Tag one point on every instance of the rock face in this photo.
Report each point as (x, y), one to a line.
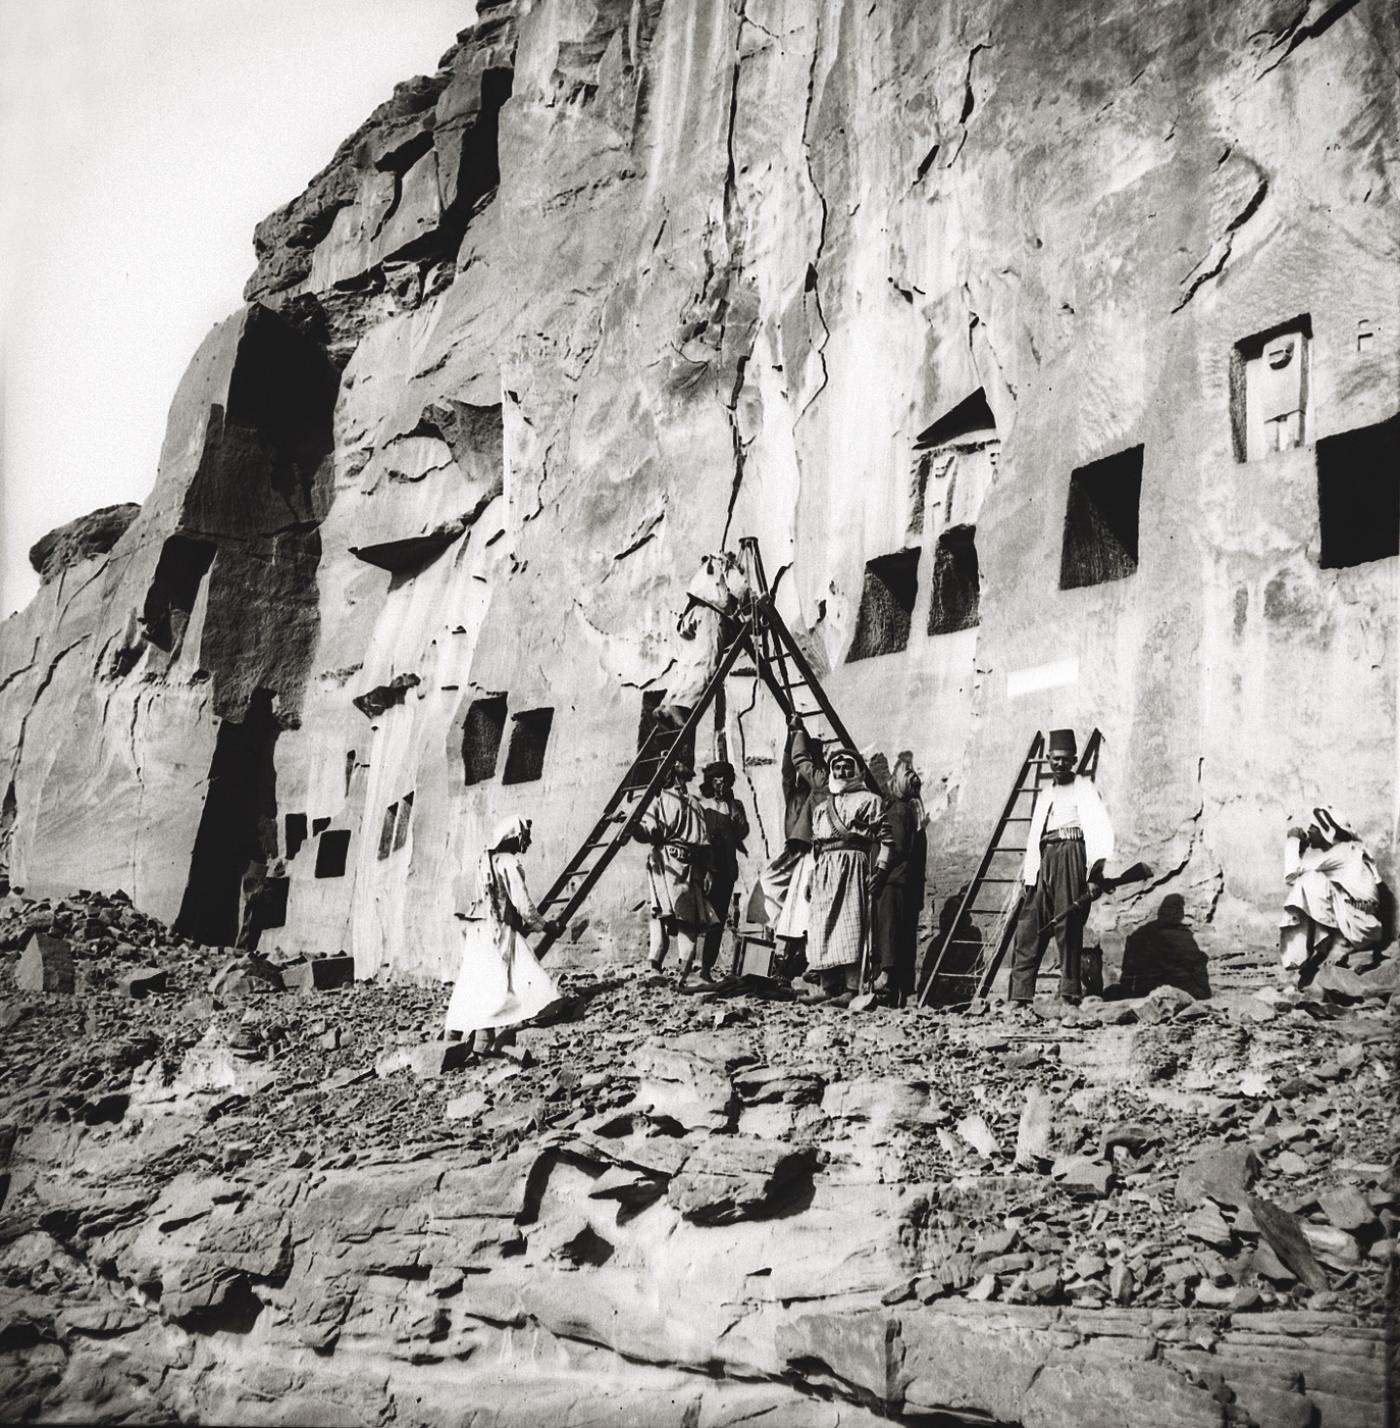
(87, 538)
(1053, 356)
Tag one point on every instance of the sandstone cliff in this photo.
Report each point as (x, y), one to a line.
(962, 309)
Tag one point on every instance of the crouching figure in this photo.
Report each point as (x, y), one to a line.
(1333, 902)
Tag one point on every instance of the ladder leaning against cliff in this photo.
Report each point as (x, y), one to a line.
(964, 933)
(783, 668)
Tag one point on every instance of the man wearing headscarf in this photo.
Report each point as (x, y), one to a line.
(898, 890)
(674, 827)
(711, 600)
(1333, 903)
(847, 826)
(500, 982)
(728, 826)
(1070, 840)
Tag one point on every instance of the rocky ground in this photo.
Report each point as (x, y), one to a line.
(230, 1201)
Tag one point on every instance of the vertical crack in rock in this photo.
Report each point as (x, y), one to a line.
(969, 104)
(741, 762)
(733, 238)
(737, 441)
(39, 693)
(813, 285)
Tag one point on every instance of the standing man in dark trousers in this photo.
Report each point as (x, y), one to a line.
(728, 825)
(1070, 840)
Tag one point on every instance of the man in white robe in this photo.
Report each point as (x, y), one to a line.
(1333, 903)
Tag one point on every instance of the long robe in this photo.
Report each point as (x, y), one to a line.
(785, 883)
(675, 826)
(711, 596)
(500, 981)
(845, 826)
(1337, 889)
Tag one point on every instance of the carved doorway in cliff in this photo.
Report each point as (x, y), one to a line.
(955, 465)
(238, 828)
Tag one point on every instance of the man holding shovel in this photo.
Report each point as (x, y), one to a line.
(1070, 840)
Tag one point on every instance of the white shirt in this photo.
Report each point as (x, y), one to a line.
(1092, 818)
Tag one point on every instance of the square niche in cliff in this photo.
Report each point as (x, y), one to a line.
(332, 852)
(1269, 389)
(481, 738)
(886, 605)
(1101, 521)
(528, 741)
(648, 726)
(957, 582)
(1358, 494)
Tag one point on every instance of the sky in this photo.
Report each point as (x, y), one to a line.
(140, 143)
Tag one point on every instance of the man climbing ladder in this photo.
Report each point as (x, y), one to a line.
(779, 663)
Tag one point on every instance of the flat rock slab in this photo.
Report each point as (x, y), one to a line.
(431, 1059)
(321, 974)
(45, 965)
(1223, 1170)
(731, 1178)
(144, 982)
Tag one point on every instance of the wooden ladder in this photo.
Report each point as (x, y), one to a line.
(761, 634)
(964, 961)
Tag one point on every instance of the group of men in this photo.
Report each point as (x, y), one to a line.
(843, 895)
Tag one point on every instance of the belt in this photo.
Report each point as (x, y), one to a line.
(1361, 904)
(681, 852)
(1063, 835)
(840, 845)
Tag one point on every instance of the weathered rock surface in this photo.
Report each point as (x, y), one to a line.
(963, 310)
(214, 1209)
(86, 538)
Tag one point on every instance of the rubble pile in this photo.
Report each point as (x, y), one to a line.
(728, 1198)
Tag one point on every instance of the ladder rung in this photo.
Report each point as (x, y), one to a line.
(1001, 880)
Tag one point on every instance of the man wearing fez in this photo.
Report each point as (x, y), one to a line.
(1070, 840)
(728, 826)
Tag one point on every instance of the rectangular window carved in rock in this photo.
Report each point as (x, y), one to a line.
(956, 582)
(1269, 390)
(386, 830)
(296, 834)
(405, 815)
(652, 699)
(332, 850)
(528, 740)
(1101, 521)
(1358, 494)
(886, 605)
(481, 738)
